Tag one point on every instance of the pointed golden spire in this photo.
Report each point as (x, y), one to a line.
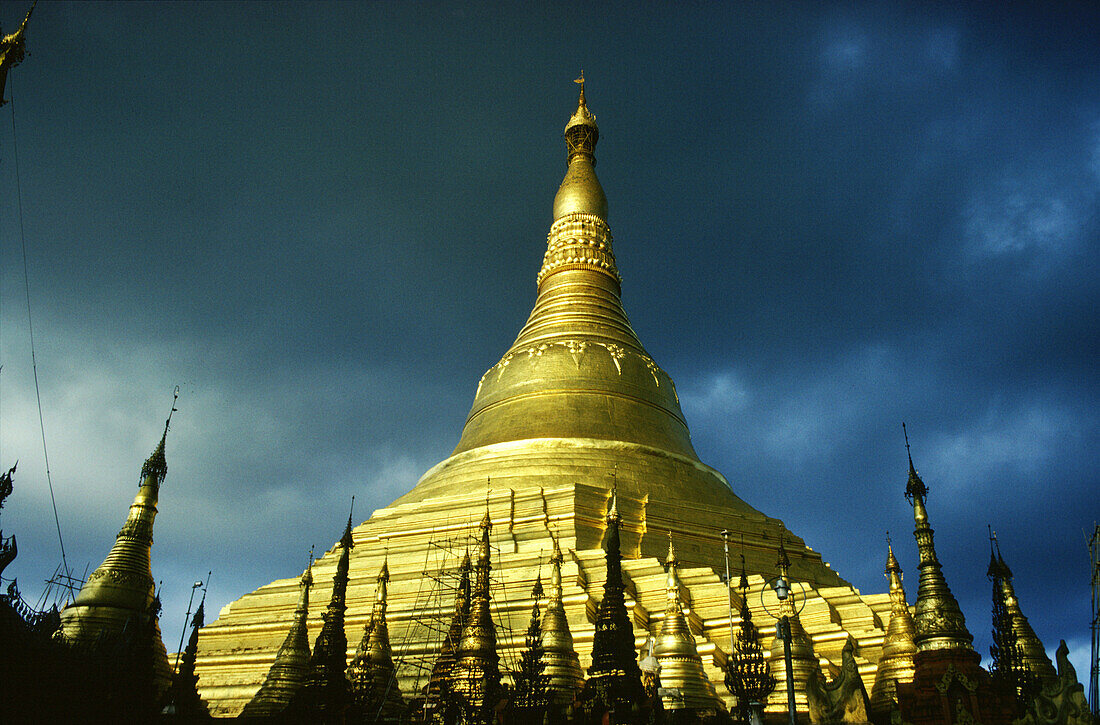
(614, 679)
(288, 673)
(613, 504)
(580, 191)
(326, 689)
(375, 691)
(1033, 654)
(119, 593)
(937, 617)
(581, 132)
(561, 666)
(439, 683)
(683, 681)
(896, 663)
(475, 677)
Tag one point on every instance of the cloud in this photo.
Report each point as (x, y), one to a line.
(855, 55)
(1027, 215)
(1025, 439)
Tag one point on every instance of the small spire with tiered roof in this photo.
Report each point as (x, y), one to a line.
(119, 594)
(288, 673)
(896, 663)
(1033, 656)
(439, 682)
(475, 677)
(326, 690)
(747, 675)
(938, 620)
(614, 679)
(683, 680)
(561, 665)
(375, 691)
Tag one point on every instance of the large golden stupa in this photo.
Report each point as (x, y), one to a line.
(573, 408)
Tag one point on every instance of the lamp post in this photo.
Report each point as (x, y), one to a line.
(186, 619)
(782, 587)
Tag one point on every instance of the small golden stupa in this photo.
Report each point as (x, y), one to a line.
(573, 407)
(119, 596)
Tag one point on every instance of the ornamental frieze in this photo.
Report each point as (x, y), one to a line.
(577, 350)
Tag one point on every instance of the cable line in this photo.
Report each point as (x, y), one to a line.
(30, 327)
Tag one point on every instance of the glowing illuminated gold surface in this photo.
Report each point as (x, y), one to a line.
(575, 399)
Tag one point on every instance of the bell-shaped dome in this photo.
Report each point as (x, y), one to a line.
(577, 395)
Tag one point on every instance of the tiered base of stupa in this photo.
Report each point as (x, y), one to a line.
(426, 537)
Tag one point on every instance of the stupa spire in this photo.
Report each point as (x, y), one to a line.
(1033, 656)
(561, 666)
(375, 692)
(577, 369)
(614, 680)
(288, 673)
(682, 675)
(530, 694)
(438, 686)
(475, 677)
(326, 692)
(580, 191)
(896, 663)
(184, 697)
(938, 620)
(119, 594)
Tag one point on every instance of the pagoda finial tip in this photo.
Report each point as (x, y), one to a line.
(915, 488)
(346, 540)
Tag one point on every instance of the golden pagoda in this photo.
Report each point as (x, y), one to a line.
(938, 621)
(896, 664)
(438, 688)
(614, 684)
(1033, 655)
(288, 672)
(684, 683)
(561, 666)
(375, 692)
(118, 599)
(475, 676)
(326, 692)
(575, 399)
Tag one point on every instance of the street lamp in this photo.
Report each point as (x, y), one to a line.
(186, 619)
(782, 587)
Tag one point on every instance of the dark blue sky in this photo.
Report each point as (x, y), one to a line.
(324, 222)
